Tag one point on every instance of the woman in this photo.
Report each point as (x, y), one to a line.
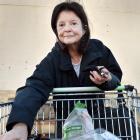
(73, 62)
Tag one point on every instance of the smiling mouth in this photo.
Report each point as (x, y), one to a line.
(68, 36)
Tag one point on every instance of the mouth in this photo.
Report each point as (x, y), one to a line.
(68, 35)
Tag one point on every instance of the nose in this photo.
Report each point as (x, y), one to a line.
(67, 28)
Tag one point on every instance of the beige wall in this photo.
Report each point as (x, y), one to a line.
(26, 36)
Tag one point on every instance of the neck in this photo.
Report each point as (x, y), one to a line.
(75, 56)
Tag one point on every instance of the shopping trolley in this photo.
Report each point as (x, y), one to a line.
(116, 111)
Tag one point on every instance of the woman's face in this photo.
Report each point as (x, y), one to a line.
(69, 28)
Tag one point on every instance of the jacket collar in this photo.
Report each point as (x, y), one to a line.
(90, 55)
(65, 61)
(88, 60)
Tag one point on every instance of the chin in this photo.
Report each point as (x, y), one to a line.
(70, 42)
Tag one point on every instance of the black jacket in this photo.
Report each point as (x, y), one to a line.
(56, 70)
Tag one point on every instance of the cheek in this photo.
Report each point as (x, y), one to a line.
(80, 34)
(59, 35)
(80, 31)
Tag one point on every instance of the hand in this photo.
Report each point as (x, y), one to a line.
(19, 132)
(98, 78)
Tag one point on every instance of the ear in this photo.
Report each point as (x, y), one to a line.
(84, 29)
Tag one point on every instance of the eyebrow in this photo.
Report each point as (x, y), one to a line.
(75, 20)
(71, 20)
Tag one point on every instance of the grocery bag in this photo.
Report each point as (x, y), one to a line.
(79, 126)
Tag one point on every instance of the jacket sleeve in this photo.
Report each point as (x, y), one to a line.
(112, 65)
(32, 96)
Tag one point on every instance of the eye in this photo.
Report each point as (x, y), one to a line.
(61, 25)
(74, 23)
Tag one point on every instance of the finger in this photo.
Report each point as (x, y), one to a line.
(106, 74)
(8, 136)
(94, 80)
(96, 75)
(98, 79)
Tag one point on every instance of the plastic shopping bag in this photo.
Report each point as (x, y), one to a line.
(79, 126)
(78, 123)
(106, 135)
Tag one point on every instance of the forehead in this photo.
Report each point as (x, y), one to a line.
(67, 16)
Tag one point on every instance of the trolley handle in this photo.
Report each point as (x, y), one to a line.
(91, 89)
(125, 87)
(6, 104)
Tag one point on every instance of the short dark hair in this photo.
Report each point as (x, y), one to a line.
(79, 11)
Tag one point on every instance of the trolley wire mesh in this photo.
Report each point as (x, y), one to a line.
(108, 111)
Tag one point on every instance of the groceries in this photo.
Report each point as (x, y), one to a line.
(79, 126)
